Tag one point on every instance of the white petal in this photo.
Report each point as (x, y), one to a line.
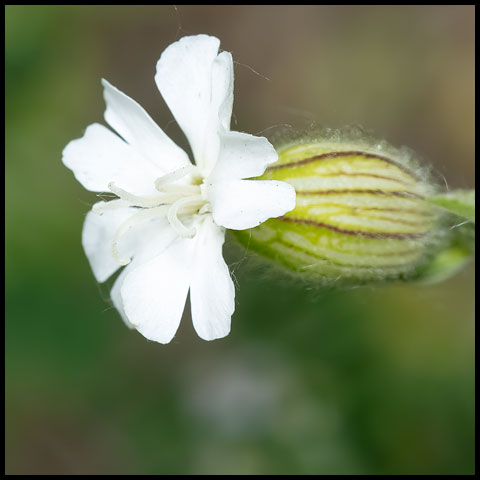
(154, 294)
(197, 86)
(101, 157)
(138, 129)
(142, 242)
(220, 114)
(222, 89)
(242, 204)
(242, 156)
(212, 292)
(151, 239)
(97, 236)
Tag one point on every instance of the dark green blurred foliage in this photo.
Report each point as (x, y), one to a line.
(310, 382)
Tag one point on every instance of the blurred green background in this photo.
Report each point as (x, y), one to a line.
(359, 381)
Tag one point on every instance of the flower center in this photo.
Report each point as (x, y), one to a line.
(178, 203)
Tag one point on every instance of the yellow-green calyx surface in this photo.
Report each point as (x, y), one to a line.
(360, 213)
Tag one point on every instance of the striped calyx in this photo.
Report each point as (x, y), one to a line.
(360, 213)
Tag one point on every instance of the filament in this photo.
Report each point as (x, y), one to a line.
(101, 207)
(173, 176)
(146, 201)
(172, 215)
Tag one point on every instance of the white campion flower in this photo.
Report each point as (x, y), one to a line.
(168, 222)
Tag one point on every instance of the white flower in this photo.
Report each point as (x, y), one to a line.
(168, 222)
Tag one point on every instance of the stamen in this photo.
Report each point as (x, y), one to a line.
(146, 201)
(173, 176)
(101, 207)
(205, 209)
(172, 216)
(128, 224)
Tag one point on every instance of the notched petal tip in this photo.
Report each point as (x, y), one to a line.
(197, 85)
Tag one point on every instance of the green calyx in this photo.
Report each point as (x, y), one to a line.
(364, 213)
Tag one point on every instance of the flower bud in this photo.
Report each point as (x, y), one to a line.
(360, 213)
